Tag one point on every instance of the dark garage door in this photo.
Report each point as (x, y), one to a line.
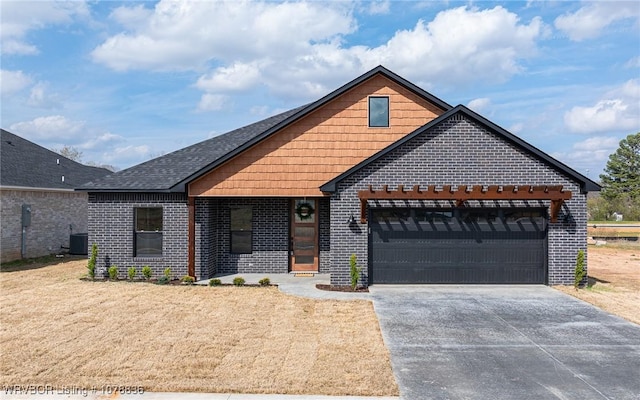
(497, 245)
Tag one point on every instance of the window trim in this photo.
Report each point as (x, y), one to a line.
(388, 111)
(232, 231)
(137, 232)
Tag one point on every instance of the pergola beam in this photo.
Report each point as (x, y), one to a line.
(462, 193)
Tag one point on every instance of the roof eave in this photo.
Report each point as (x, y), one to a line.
(99, 190)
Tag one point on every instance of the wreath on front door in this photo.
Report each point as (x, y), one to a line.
(304, 210)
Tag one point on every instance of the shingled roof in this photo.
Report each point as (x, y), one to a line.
(25, 164)
(171, 172)
(164, 173)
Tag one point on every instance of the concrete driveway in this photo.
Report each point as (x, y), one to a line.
(505, 342)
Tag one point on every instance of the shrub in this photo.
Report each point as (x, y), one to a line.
(167, 273)
(91, 265)
(239, 281)
(163, 280)
(146, 272)
(131, 272)
(264, 282)
(113, 272)
(188, 280)
(354, 271)
(580, 271)
(215, 282)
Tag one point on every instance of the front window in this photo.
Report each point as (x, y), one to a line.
(148, 232)
(379, 111)
(241, 230)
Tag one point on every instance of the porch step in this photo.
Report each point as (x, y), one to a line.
(304, 274)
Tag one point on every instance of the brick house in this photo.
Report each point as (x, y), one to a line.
(418, 190)
(40, 209)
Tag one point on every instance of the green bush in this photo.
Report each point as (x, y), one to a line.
(113, 272)
(580, 271)
(264, 282)
(163, 280)
(91, 265)
(239, 281)
(215, 282)
(146, 272)
(167, 273)
(354, 271)
(189, 280)
(131, 272)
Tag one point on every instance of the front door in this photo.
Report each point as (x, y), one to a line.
(304, 235)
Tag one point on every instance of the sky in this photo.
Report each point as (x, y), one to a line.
(124, 82)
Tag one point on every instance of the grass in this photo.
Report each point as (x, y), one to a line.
(614, 279)
(58, 330)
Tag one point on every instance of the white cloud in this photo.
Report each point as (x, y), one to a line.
(297, 49)
(131, 17)
(13, 81)
(53, 127)
(479, 105)
(633, 63)
(589, 156)
(213, 102)
(40, 98)
(485, 45)
(20, 17)
(591, 19)
(378, 7)
(187, 35)
(516, 128)
(101, 141)
(619, 110)
(238, 76)
(127, 154)
(597, 143)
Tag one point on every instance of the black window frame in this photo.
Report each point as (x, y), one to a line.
(371, 109)
(242, 231)
(147, 231)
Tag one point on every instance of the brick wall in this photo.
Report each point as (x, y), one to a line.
(270, 236)
(456, 152)
(52, 215)
(111, 227)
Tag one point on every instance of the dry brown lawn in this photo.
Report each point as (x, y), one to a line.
(58, 330)
(614, 280)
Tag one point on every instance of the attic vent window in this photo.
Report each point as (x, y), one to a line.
(379, 111)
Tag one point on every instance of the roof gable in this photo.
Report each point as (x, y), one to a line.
(28, 165)
(301, 156)
(172, 172)
(585, 183)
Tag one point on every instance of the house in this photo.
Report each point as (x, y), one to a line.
(40, 209)
(420, 191)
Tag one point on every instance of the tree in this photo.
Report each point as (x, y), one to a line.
(70, 152)
(621, 177)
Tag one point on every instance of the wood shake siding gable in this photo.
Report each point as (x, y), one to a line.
(301, 157)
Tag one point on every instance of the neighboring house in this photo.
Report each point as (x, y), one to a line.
(418, 190)
(40, 209)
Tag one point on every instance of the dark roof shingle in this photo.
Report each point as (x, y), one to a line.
(167, 171)
(26, 164)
